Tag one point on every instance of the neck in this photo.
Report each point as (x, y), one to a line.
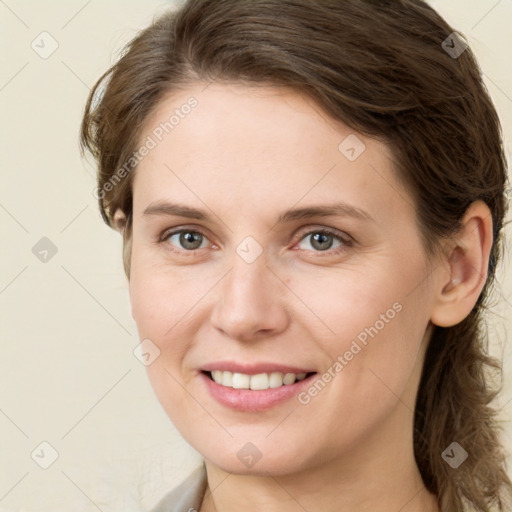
(405, 492)
(381, 475)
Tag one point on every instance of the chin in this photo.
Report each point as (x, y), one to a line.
(250, 460)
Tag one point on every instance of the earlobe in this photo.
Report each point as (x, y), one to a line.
(468, 260)
(119, 220)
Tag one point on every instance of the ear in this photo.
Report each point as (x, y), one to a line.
(465, 267)
(119, 220)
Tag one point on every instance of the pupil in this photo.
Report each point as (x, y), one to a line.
(189, 239)
(321, 238)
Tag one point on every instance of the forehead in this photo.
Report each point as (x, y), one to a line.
(256, 146)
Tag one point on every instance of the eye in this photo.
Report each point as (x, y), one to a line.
(186, 239)
(321, 240)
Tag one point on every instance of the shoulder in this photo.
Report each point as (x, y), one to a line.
(187, 496)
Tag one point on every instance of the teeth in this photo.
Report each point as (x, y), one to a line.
(276, 380)
(241, 381)
(260, 381)
(227, 379)
(289, 378)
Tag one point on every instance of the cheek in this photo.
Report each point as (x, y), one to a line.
(158, 303)
(168, 304)
(157, 298)
(373, 325)
(352, 302)
(145, 305)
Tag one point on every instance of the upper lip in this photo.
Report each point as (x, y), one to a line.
(253, 368)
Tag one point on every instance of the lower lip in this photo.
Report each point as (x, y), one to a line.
(248, 400)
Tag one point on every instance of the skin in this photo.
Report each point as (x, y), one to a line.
(245, 155)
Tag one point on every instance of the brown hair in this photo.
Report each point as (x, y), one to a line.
(387, 69)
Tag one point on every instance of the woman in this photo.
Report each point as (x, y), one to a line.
(311, 195)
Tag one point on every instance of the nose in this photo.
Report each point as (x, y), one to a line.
(250, 302)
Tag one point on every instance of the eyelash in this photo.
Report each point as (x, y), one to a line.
(346, 241)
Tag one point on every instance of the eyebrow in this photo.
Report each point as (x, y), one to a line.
(332, 210)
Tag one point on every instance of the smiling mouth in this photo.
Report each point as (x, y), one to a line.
(258, 382)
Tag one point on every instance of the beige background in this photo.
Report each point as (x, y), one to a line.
(68, 374)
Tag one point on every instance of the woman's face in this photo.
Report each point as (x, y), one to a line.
(247, 284)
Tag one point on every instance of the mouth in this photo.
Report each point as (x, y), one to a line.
(257, 390)
(256, 382)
